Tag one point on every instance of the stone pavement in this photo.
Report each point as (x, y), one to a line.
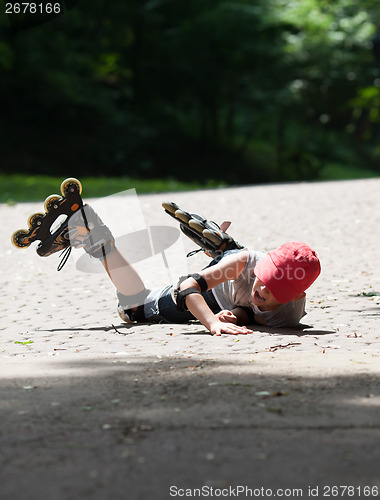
(93, 408)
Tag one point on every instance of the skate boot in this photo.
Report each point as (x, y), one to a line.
(66, 223)
(86, 230)
(206, 234)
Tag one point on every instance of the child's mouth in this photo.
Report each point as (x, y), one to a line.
(258, 297)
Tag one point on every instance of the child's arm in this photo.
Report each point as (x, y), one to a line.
(198, 307)
(237, 315)
(229, 268)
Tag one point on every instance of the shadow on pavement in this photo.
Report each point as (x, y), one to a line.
(300, 331)
(123, 428)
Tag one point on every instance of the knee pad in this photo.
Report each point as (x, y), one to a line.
(128, 301)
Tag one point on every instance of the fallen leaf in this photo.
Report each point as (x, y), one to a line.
(274, 410)
(280, 393)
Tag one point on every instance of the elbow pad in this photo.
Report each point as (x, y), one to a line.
(200, 280)
(180, 295)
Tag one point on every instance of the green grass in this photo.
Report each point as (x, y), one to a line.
(17, 187)
(338, 172)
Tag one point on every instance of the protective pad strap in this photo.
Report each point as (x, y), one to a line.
(127, 301)
(200, 280)
(181, 297)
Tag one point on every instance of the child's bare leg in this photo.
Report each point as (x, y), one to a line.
(122, 274)
(88, 230)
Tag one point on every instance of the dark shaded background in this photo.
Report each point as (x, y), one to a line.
(242, 91)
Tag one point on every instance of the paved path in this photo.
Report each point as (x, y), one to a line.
(93, 408)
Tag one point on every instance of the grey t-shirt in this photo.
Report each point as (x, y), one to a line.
(238, 292)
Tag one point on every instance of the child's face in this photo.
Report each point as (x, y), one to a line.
(262, 297)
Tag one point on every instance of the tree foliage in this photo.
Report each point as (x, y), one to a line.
(240, 90)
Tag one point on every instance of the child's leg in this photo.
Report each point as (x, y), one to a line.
(131, 291)
(122, 274)
(87, 230)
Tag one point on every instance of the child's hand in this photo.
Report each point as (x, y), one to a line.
(227, 316)
(218, 327)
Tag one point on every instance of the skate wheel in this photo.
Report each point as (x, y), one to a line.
(17, 238)
(51, 202)
(182, 216)
(170, 207)
(213, 237)
(196, 225)
(35, 220)
(69, 185)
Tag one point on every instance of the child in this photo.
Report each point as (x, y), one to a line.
(240, 287)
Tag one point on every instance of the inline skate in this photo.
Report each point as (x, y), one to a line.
(206, 234)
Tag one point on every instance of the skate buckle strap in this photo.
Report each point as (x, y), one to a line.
(194, 252)
(67, 251)
(65, 255)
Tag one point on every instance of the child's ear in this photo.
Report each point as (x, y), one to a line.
(300, 296)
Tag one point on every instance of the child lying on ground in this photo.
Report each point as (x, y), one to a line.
(240, 287)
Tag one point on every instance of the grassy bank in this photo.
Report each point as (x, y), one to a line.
(16, 188)
(336, 172)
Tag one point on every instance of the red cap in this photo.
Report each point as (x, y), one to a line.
(289, 270)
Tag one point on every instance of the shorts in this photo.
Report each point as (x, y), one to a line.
(159, 307)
